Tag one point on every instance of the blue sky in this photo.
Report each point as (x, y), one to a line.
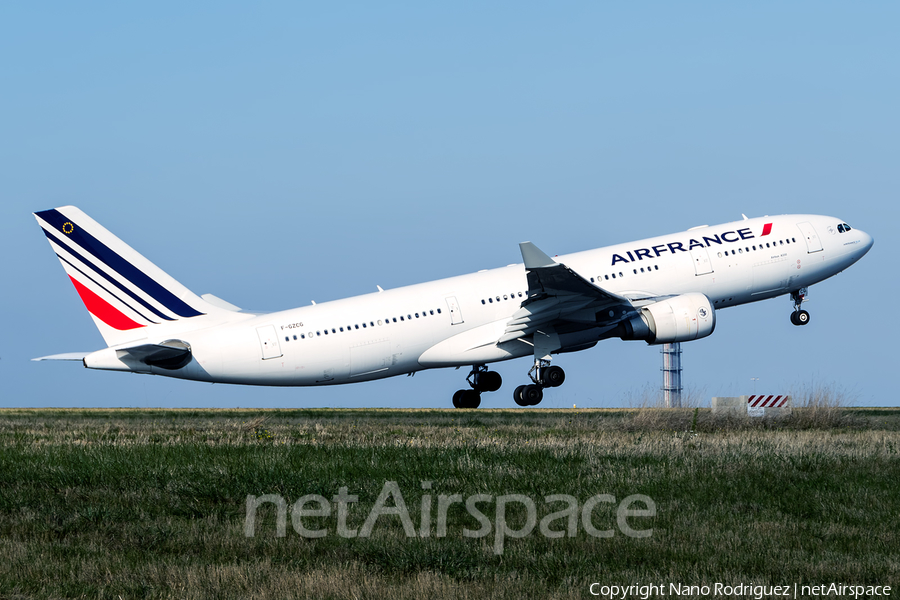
(280, 153)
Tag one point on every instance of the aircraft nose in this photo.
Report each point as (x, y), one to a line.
(867, 242)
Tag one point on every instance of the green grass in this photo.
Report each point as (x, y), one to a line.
(151, 503)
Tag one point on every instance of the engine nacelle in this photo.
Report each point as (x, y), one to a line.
(679, 319)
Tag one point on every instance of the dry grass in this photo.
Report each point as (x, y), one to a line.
(144, 503)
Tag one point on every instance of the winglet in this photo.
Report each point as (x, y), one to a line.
(534, 257)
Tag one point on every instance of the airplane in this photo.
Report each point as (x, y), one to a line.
(659, 290)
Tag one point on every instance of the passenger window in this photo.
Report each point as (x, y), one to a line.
(491, 300)
(620, 274)
(606, 277)
(505, 297)
(614, 276)
(287, 339)
(432, 312)
(656, 267)
(401, 317)
(395, 319)
(439, 311)
(417, 315)
(295, 337)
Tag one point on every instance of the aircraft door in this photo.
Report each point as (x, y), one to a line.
(268, 342)
(813, 243)
(455, 314)
(702, 264)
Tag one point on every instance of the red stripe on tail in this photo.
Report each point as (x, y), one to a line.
(103, 310)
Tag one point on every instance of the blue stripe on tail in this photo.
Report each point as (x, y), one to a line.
(118, 264)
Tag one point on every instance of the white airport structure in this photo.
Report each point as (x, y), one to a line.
(761, 405)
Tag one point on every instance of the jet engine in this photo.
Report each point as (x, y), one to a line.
(679, 319)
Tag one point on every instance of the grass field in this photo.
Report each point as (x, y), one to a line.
(153, 503)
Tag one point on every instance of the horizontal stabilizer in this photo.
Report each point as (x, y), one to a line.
(65, 356)
(171, 354)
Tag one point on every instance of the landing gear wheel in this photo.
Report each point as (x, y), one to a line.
(553, 376)
(532, 395)
(517, 396)
(488, 381)
(466, 399)
(800, 317)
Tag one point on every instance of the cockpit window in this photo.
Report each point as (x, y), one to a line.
(843, 228)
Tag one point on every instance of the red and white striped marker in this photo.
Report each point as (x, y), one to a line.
(763, 401)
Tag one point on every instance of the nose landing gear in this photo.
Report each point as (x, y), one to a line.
(799, 317)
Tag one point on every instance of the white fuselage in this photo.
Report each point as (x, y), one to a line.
(457, 321)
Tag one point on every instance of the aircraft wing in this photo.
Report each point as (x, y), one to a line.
(557, 295)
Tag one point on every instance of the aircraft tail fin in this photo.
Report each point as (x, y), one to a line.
(124, 292)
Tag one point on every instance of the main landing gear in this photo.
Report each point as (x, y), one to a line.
(799, 317)
(481, 380)
(543, 375)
